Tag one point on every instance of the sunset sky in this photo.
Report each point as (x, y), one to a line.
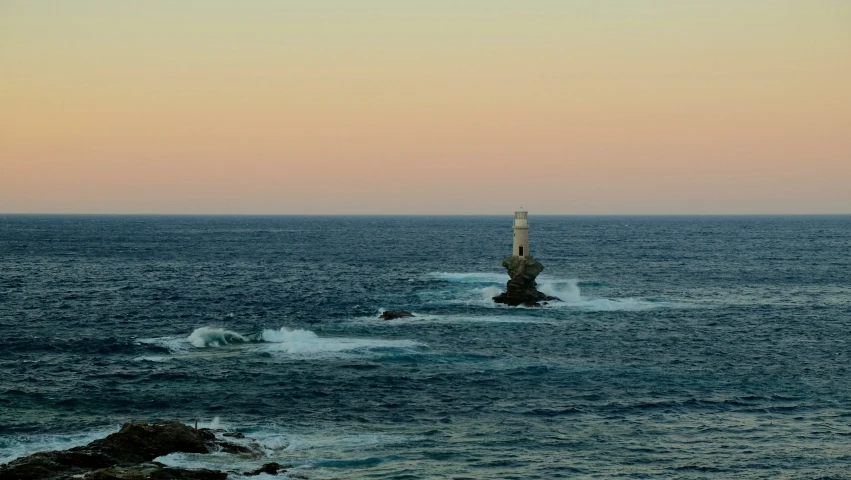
(443, 107)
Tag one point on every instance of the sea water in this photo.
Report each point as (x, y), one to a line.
(682, 347)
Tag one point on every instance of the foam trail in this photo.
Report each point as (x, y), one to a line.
(299, 341)
(155, 359)
(214, 337)
(172, 344)
(285, 335)
(475, 277)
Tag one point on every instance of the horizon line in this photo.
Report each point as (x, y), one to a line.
(418, 214)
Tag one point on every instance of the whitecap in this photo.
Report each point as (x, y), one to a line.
(565, 290)
(155, 359)
(214, 337)
(306, 343)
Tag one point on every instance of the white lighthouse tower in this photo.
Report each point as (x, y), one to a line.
(521, 234)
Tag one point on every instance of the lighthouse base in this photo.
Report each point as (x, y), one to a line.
(522, 289)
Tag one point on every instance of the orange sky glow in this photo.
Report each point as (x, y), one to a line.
(438, 107)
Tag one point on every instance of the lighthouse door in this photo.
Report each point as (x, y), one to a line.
(521, 250)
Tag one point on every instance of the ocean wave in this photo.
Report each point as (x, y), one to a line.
(204, 341)
(214, 337)
(301, 342)
(568, 292)
(16, 446)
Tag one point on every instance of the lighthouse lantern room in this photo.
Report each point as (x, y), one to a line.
(521, 233)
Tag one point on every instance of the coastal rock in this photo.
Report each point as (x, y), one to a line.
(135, 443)
(155, 472)
(142, 442)
(522, 289)
(394, 314)
(270, 469)
(54, 465)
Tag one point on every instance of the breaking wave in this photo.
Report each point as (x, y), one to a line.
(569, 293)
(566, 290)
(485, 286)
(284, 341)
(214, 337)
(488, 293)
(306, 342)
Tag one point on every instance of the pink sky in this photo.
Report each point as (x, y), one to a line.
(564, 107)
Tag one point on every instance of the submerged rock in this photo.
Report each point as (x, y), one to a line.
(394, 314)
(270, 469)
(124, 455)
(522, 289)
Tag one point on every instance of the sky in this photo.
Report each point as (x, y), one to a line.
(426, 107)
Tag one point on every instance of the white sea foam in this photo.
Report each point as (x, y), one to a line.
(571, 297)
(474, 277)
(155, 359)
(566, 290)
(487, 293)
(305, 342)
(214, 337)
(285, 342)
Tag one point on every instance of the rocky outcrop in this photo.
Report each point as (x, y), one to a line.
(394, 314)
(155, 471)
(522, 289)
(125, 455)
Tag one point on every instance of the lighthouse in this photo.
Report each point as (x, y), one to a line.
(521, 234)
(522, 267)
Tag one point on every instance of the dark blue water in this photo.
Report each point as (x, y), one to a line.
(685, 347)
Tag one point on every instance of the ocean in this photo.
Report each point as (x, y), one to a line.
(683, 347)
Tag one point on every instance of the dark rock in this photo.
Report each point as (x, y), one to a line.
(270, 468)
(522, 289)
(142, 442)
(229, 447)
(134, 443)
(393, 314)
(48, 465)
(155, 472)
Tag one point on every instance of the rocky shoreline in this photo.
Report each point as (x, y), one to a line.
(129, 455)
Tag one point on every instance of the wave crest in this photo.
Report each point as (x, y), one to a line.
(214, 337)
